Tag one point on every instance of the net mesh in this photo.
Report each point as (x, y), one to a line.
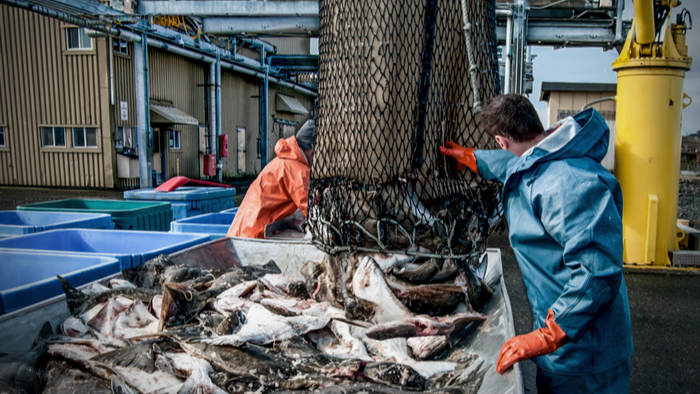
(394, 84)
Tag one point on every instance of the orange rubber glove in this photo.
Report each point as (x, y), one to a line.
(464, 156)
(537, 343)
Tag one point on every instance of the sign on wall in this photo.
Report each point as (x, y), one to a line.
(123, 111)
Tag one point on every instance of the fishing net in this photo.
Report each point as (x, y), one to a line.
(396, 81)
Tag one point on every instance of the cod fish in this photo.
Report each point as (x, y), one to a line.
(427, 347)
(181, 304)
(252, 364)
(417, 270)
(263, 327)
(148, 275)
(369, 284)
(197, 372)
(395, 375)
(79, 302)
(22, 373)
(64, 379)
(431, 299)
(236, 275)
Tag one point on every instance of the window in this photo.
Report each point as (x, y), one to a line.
(174, 139)
(2, 136)
(77, 38)
(122, 137)
(120, 46)
(84, 137)
(53, 137)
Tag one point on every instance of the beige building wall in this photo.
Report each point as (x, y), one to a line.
(44, 84)
(574, 101)
(561, 104)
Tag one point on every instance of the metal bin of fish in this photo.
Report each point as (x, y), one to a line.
(30, 277)
(215, 225)
(131, 248)
(18, 223)
(195, 200)
(241, 315)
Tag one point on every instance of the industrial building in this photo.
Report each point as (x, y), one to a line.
(68, 113)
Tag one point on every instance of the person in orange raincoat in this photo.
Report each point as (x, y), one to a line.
(280, 189)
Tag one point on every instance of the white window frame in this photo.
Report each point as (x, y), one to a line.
(53, 137)
(85, 137)
(174, 137)
(82, 35)
(122, 46)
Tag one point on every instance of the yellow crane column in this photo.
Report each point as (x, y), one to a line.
(648, 135)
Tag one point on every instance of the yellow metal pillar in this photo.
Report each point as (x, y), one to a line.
(648, 138)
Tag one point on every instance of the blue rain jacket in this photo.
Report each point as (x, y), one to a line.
(564, 211)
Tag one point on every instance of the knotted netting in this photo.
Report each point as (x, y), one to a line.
(396, 81)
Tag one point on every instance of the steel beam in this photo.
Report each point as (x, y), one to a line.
(229, 8)
(306, 25)
(569, 34)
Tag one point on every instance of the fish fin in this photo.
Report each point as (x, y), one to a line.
(44, 334)
(74, 297)
(271, 267)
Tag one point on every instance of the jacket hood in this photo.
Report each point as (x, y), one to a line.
(584, 134)
(288, 149)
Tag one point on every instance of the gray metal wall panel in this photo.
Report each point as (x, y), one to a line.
(44, 86)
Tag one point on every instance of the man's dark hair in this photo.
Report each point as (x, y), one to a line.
(512, 116)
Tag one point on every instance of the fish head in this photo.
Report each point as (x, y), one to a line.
(180, 304)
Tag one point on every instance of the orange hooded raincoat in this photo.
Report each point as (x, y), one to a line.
(280, 188)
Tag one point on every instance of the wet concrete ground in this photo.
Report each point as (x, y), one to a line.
(665, 309)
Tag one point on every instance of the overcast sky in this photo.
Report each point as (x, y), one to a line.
(595, 65)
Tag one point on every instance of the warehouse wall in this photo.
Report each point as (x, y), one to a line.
(43, 84)
(175, 79)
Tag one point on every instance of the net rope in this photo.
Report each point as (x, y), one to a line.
(397, 80)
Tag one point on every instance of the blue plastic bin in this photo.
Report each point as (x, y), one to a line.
(230, 210)
(215, 225)
(30, 277)
(131, 248)
(197, 200)
(27, 222)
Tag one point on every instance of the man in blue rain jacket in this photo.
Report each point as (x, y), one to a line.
(564, 212)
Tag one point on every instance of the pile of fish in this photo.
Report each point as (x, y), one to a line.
(358, 323)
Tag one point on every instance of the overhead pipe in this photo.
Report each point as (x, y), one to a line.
(249, 67)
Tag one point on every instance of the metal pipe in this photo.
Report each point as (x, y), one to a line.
(264, 91)
(219, 166)
(212, 101)
(588, 104)
(111, 70)
(508, 56)
(141, 114)
(255, 43)
(644, 21)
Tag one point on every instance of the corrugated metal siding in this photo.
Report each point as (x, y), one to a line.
(175, 78)
(575, 101)
(240, 107)
(43, 86)
(291, 45)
